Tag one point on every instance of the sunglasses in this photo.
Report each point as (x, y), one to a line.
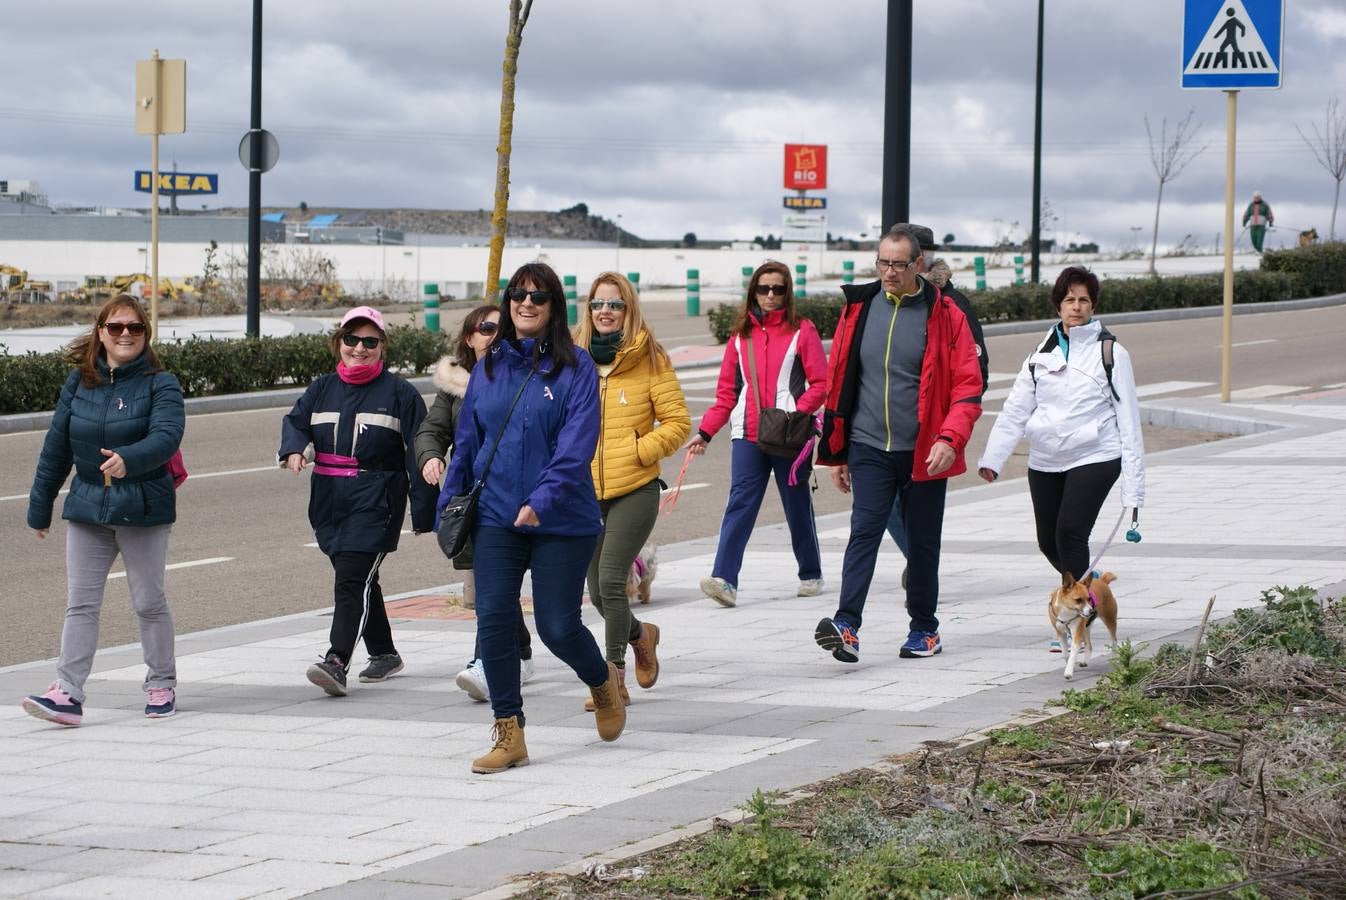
(487, 327)
(777, 289)
(615, 305)
(353, 340)
(135, 329)
(897, 265)
(518, 295)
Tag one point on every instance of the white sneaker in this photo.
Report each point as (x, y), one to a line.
(810, 587)
(473, 681)
(526, 671)
(719, 590)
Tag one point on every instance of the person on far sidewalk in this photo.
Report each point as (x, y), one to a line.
(644, 419)
(361, 421)
(1260, 215)
(904, 390)
(790, 372)
(119, 421)
(433, 440)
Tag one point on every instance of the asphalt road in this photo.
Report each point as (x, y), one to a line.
(241, 546)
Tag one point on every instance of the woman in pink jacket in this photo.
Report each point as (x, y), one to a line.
(780, 356)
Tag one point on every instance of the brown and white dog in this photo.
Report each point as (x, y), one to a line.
(1072, 609)
(643, 569)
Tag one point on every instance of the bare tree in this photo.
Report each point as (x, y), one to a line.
(1169, 157)
(518, 18)
(1329, 148)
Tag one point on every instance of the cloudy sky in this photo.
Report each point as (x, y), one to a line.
(672, 114)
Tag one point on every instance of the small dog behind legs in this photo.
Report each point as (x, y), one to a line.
(643, 569)
(1073, 607)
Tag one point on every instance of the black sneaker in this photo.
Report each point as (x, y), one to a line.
(381, 667)
(330, 675)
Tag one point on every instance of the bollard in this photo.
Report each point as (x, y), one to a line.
(1018, 270)
(693, 292)
(848, 272)
(801, 281)
(747, 277)
(431, 290)
(634, 278)
(979, 267)
(572, 308)
(500, 291)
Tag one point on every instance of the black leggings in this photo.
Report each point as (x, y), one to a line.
(1065, 505)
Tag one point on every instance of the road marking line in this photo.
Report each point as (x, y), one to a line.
(64, 491)
(1263, 391)
(1249, 343)
(689, 487)
(1169, 387)
(183, 565)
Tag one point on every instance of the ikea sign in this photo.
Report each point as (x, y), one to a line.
(179, 183)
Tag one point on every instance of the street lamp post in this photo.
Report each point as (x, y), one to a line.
(618, 264)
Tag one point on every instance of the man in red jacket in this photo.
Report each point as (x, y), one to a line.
(903, 392)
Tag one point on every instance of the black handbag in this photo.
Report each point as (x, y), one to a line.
(459, 517)
(779, 432)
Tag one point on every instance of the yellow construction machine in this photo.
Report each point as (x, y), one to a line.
(17, 287)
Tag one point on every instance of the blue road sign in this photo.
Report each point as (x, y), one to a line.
(1232, 45)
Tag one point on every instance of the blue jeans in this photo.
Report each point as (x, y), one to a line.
(750, 469)
(558, 563)
(880, 479)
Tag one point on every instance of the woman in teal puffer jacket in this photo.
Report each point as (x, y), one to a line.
(118, 422)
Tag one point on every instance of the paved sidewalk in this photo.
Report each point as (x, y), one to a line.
(263, 787)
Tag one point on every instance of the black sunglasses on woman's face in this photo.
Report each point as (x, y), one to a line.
(487, 328)
(135, 329)
(518, 295)
(777, 289)
(370, 342)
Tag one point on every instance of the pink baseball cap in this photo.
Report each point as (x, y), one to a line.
(365, 312)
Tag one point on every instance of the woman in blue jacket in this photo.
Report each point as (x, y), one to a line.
(118, 421)
(362, 421)
(537, 509)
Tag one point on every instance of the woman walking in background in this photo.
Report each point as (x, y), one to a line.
(1075, 398)
(360, 420)
(433, 440)
(533, 402)
(118, 421)
(643, 419)
(790, 372)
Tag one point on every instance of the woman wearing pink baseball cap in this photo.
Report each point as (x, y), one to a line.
(361, 421)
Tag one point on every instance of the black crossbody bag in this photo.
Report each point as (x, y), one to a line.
(779, 433)
(460, 515)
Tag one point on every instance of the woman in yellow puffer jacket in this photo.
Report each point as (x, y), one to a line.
(644, 419)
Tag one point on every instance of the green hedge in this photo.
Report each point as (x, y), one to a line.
(33, 382)
(1315, 271)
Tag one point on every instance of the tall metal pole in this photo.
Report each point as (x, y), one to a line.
(1227, 344)
(1037, 159)
(154, 192)
(254, 323)
(897, 117)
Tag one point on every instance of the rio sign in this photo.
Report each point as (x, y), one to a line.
(805, 167)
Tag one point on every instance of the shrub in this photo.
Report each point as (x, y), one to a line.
(32, 382)
(1317, 270)
(760, 857)
(1138, 870)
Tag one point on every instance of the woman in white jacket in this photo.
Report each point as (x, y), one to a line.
(1082, 422)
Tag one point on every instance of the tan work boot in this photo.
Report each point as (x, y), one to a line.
(609, 711)
(469, 589)
(626, 697)
(509, 749)
(647, 660)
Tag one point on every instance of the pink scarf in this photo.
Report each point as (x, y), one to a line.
(359, 374)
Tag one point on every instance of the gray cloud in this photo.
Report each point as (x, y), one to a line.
(671, 114)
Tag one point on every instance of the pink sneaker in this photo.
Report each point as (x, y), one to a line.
(55, 706)
(161, 704)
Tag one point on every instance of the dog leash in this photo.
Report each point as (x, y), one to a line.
(666, 504)
(1135, 515)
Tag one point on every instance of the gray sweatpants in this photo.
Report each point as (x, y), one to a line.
(89, 553)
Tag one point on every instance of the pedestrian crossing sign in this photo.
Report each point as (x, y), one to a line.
(1232, 45)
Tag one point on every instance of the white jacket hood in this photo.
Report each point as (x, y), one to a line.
(450, 377)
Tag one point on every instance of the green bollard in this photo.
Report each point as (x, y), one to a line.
(747, 277)
(572, 299)
(979, 267)
(848, 272)
(801, 281)
(431, 290)
(1018, 270)
(693, 292)
(500, 292)
(634, 278)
